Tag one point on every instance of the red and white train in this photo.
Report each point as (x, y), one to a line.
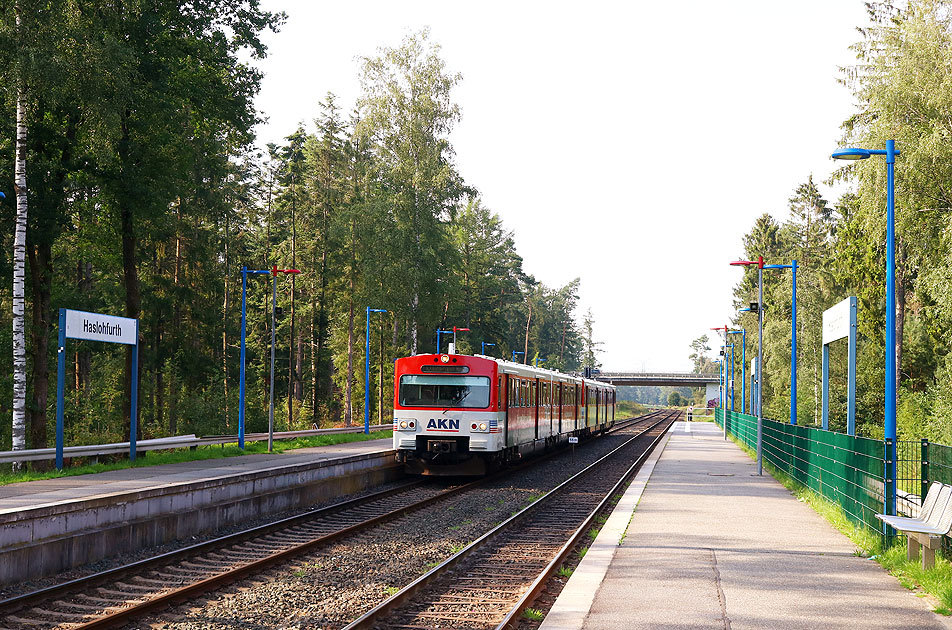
(466, 415)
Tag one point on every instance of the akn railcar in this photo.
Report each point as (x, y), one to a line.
(466, 415)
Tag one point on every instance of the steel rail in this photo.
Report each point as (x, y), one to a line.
(116, 617)
(512, 618)
(101, 577)
(368, 620)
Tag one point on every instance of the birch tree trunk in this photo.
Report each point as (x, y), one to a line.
(19, 270)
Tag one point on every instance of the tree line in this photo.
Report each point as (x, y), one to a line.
(900, 84)
(140, 192)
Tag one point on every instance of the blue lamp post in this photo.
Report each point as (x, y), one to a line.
(538, 361)
(729, 382)
(482, 350)
(438, 333)
(514, 353)
(743, 364)
(889, 432)
(722, 371)
(241, 378)
(367, 370)
(793, 339)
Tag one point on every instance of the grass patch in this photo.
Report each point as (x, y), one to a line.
(533, 614)
(565, 572)
(936, 581)
(155, 458)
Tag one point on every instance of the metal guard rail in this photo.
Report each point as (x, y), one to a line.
(177, 441)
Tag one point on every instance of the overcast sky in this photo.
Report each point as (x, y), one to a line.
(629, 144)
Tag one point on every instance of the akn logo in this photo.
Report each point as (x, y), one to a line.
(443, 424)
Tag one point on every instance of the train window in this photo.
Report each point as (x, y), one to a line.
(444, 391)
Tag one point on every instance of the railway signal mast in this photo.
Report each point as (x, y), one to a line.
(758, 308)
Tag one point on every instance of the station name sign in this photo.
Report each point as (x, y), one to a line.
(98, 327)
(836, 320)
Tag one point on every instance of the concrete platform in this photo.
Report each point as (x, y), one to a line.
(51, 525)
(713, 545)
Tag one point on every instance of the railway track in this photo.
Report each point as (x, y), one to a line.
(115, 597)
(489, 583)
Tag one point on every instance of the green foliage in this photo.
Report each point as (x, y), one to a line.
(148, 193)
(627, 408)
(698, 356)
(900, 83)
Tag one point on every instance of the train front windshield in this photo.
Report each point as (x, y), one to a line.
(426, 390)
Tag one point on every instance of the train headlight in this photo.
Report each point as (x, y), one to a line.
(405, 425)
(482, 426)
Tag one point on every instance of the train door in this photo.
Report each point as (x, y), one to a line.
(502, 405)
(553, 422)
(580, 396)
(534, 398)
(549, 410)
(514, 411)
(547, 407)
(575, 402)
(561, 400)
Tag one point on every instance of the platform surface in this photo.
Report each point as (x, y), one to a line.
(713, 545)
(28, 494)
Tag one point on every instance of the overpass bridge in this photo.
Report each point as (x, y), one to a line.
(657, 379)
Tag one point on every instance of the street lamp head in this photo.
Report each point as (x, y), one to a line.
(851, 154)
(746, 263)
(275, 271)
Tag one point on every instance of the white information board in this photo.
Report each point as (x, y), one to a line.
(97, 327)
(836, 322)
